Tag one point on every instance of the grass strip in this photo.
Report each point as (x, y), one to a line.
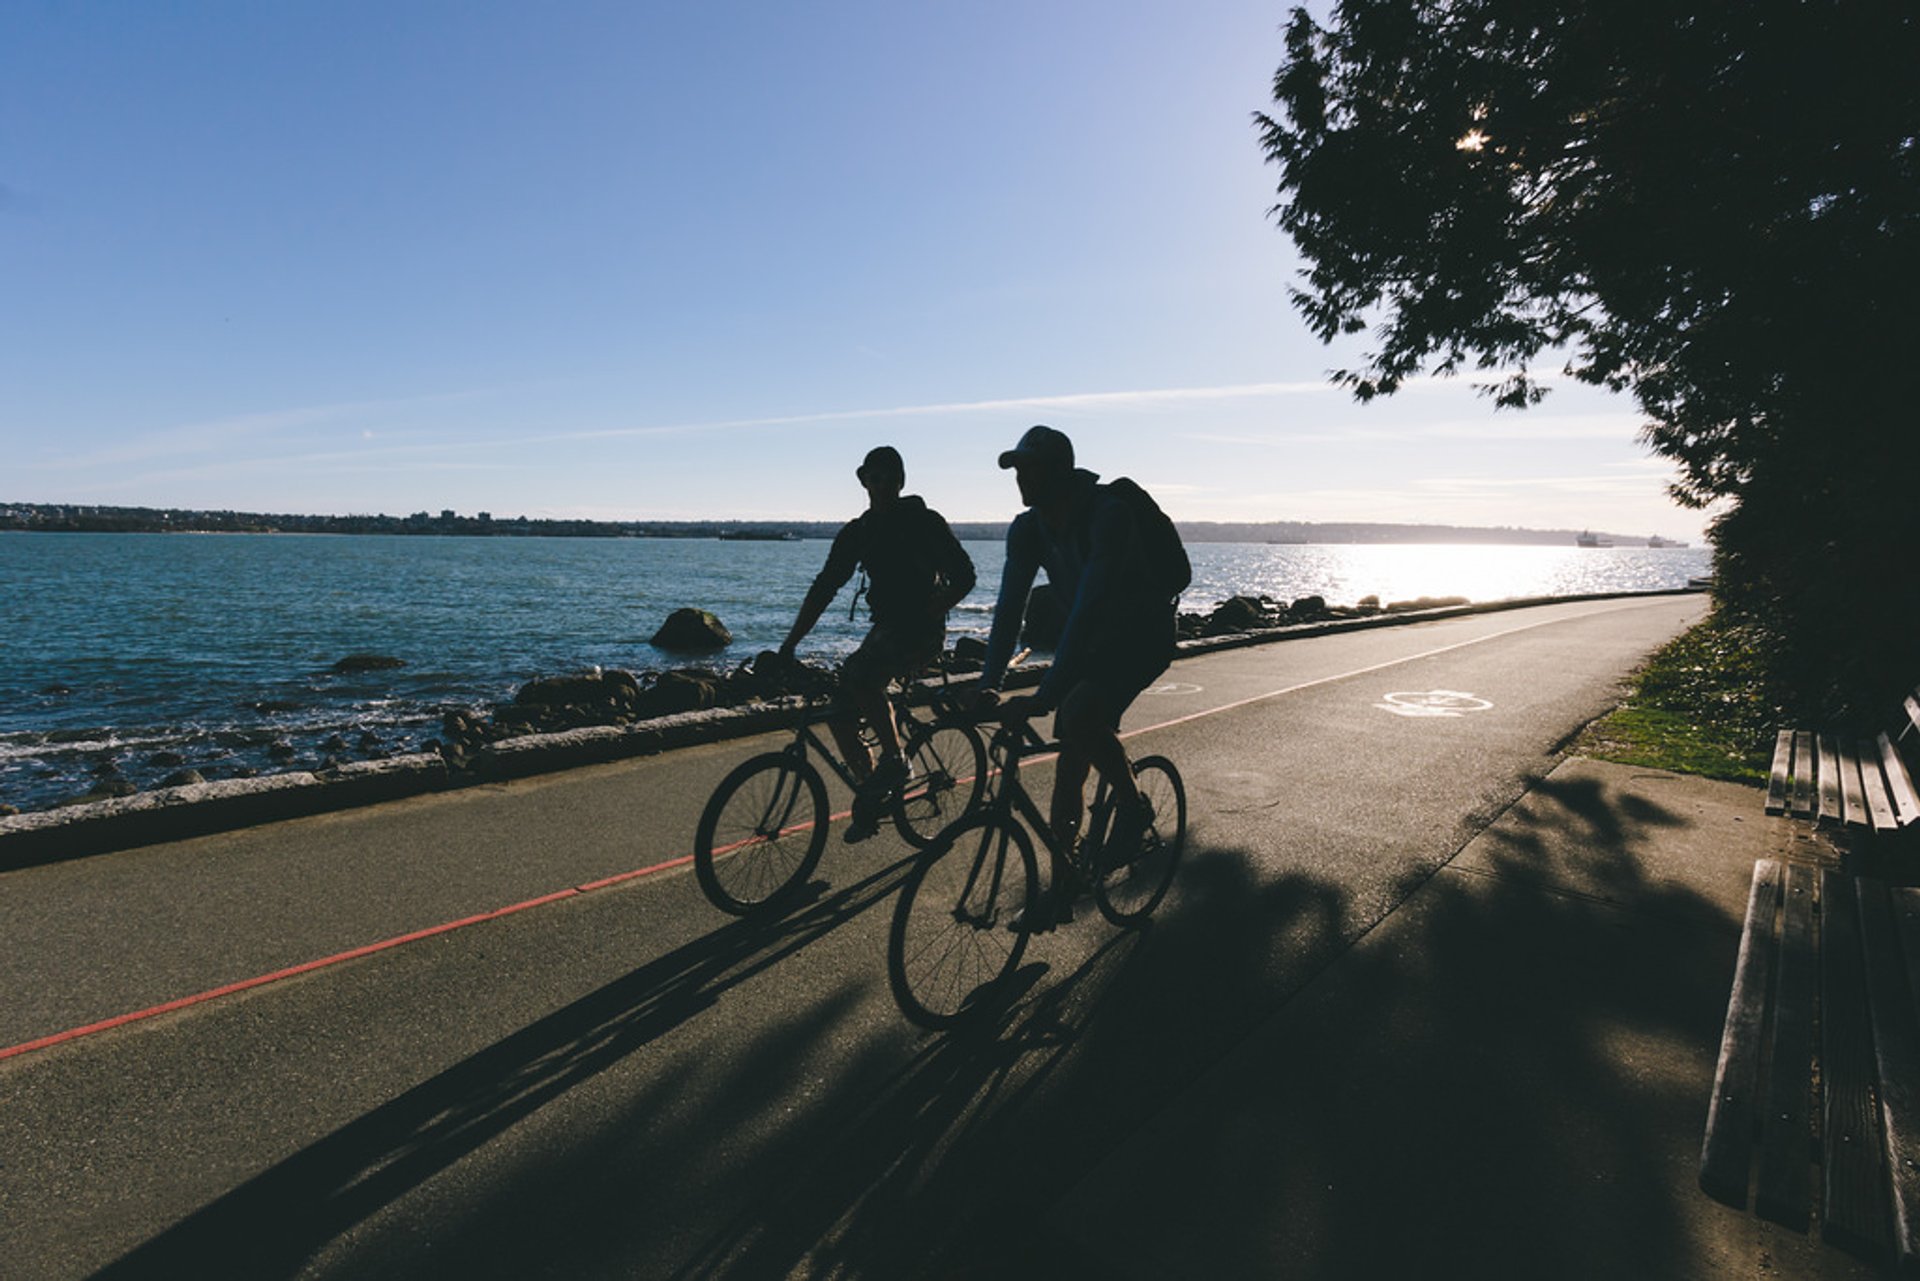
(1700, 705)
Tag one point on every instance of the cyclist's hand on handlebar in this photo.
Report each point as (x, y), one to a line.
(1021, 708)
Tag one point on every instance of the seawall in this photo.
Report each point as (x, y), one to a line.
(200, 809)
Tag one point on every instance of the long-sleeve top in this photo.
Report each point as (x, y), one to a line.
(909, 553)
(1094, 565)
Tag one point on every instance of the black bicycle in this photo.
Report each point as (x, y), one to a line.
(969, 906)
(765, 826)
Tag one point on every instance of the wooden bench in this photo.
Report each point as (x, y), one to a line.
(1865, 785)
(1816, 1099)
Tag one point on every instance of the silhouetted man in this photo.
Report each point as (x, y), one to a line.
(916, 571)
(1116, 567)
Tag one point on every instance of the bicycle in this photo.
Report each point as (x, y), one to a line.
(961, 923)
(765, 826)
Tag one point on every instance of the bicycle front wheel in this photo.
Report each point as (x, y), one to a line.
(957, 927)
(946, 770)
(761, 834)
(1129, 884)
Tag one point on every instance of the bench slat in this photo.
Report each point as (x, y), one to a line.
(1903, 1142)
(1890, 938)
(1827, 780)
(1854, 1214)
(1853, 794)
(1906, 805)
(1802, 803)
(1727, 1151)
(1780, 779)
(1879, 804)
(1913, 715)
(1780, 1192)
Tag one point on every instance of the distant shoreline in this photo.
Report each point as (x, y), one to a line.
(87, 519)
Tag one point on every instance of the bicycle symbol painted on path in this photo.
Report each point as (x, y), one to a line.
(1433, 702)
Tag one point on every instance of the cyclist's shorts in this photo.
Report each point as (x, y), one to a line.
(892, 651)
(1120, 671)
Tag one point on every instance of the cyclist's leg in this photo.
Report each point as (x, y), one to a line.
(1090, 719)
(869, 699)
(853, 748)
(1068, 802)
(863, 683)
(1088, 722)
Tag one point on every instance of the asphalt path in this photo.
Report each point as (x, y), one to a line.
(619, 1081)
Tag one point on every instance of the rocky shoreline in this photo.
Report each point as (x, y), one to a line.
(613, 698)
(468, 737)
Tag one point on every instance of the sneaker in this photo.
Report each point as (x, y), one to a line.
(1051, 909)
(875, 794)
(1055, 903)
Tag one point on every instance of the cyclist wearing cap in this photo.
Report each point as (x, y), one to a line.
(1119, 633)
(916, 571)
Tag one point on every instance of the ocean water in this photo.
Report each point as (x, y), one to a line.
(135, 655)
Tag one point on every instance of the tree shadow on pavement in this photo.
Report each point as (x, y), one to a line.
(1508, 1077)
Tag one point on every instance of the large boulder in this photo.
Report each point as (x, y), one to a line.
(969, 654)
(692, 631)
(770, 675)
(1238, 614)
(586, 689)
(367, 663)
(688, 689)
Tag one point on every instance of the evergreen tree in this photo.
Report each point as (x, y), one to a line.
(1714, 206)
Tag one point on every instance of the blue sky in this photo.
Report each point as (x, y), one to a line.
(676, 261)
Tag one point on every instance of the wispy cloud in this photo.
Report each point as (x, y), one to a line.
(1471, 486)
(222, 434)
(1540, 427)
(1113, 401)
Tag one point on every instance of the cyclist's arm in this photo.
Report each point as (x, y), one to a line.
(842, 560)
(1016, 580)
(955, 567)
(1111, 557)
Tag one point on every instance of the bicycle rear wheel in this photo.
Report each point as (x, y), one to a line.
(762, 832)
(954, 938)
(946, 770)
(1129, 884)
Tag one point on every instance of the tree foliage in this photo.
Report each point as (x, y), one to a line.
(1714, 206)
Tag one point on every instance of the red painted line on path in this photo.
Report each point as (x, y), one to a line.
(325, 962)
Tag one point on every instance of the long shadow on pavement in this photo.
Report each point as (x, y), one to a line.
(1495, 1079)
(274, 1223)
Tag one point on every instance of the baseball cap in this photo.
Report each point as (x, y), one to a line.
(1043, 445)
(882, 460)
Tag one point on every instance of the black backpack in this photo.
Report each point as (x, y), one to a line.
(903, 549)
(1167, 566)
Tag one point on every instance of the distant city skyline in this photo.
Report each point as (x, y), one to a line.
(110, 518)
(608, 262)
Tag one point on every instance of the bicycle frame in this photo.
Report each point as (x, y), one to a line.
(1013, 743)
(804, 738)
